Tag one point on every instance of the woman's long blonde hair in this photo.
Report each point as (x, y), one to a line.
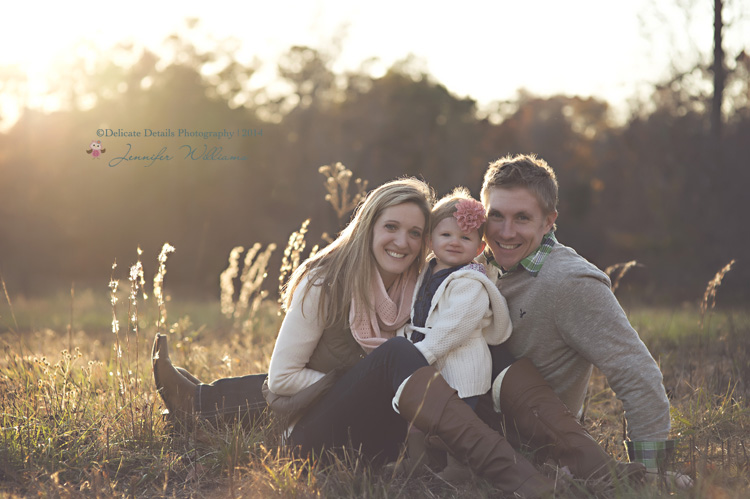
(345, 268)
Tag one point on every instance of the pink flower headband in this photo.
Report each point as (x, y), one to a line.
(469, 214)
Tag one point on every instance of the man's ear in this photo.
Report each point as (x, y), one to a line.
(480, 249)
(550, 220)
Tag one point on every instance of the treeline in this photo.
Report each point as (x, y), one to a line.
(652, 189)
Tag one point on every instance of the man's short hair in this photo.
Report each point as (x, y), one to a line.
(523, 170)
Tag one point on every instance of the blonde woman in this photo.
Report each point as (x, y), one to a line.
(338, 371)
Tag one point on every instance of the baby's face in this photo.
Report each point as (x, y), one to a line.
(453, 247)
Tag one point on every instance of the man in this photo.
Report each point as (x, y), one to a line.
(565, 317)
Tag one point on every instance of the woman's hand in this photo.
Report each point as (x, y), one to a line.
(294, 406)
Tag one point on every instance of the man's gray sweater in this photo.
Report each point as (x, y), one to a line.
(567, 319)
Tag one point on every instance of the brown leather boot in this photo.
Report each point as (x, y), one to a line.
(431, 405)
(188, 375)
(176, 390)
(455, 471)
(414, 461)
(532, 408)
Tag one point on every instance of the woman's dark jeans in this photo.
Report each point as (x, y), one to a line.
(231, 399)
(358, 410)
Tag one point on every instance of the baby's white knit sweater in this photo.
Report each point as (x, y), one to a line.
(467, 313)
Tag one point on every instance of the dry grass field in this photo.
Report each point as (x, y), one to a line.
(81, 417)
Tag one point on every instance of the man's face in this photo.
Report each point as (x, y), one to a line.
(515, 224)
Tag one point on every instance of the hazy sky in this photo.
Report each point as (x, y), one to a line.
(486, 50)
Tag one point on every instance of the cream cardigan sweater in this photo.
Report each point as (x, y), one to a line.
(466, 314)
(300, 333)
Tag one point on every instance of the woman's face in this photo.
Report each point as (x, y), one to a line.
(397, 239)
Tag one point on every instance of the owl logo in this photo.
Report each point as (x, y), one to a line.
(95, 149)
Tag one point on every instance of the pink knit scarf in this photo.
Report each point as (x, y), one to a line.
(371, 326)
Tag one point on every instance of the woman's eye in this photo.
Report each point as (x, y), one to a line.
(390, 226)
(416, 234)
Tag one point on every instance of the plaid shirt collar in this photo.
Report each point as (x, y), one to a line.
(532, 263)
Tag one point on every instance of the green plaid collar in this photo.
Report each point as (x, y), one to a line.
(532, 263)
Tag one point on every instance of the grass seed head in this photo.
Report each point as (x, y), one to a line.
(709, 296)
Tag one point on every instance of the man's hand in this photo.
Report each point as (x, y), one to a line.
(655, 455)
(672, 479)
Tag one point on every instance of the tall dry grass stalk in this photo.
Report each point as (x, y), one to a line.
(10, 306)
(619, 270)
(243, 311)
(251, 294)
(70, 323)
(113, 299)
(709, 296)
(126, 377)
(137, 280)
(159, 283)
(226, 281)
(338, 180)
(293, 255)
